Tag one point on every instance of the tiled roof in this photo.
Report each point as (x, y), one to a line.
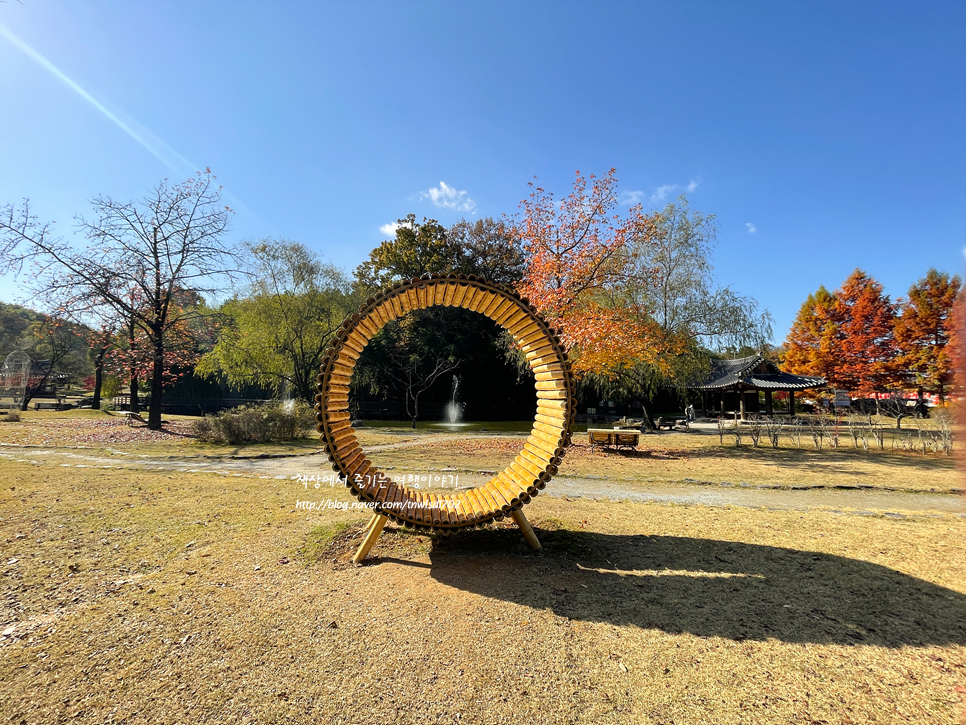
(729, 373)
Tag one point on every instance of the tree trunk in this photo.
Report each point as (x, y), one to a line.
(134, 405)
(98, 378)
(415, 413)
(157, 385)
(30, 391)
(645, 401)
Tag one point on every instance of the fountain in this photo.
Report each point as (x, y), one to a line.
(454, 408)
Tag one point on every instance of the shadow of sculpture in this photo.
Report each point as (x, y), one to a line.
(704, 587)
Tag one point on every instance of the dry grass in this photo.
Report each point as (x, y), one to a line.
(143, 597)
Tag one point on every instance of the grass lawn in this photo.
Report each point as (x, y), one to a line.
(142, 596)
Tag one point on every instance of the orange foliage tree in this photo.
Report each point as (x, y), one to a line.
(810, 348)
(575, 259)
(923, 331)
(846, 337)
(866, 349)
(957, 339)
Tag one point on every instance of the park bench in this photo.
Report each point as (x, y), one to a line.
(47, 405)
(132, 418)
(671, 421)
(616, 438)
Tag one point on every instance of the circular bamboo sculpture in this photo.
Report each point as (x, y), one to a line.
(505, 493)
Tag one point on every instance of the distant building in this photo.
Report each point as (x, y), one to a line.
(733, 386)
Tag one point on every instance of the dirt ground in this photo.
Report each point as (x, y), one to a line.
(163, 597)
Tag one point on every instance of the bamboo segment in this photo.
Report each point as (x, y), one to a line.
(501, 503)
(477, 508)
(507, 488)
(487, 501)
(548, 449)
(554, 440)
(492, 303)
(554, 431)
(527, 530)
(552, 385)
(448, 295)
(457, 509)
(469, 301)
(527, 330)
(461, 291)
(539, 461)
(506, 306)
(434, 509)
(524, 478)
(473, 508)
(551, 375)
(557, 421)
(369, 525)
(514, 316)
(520, 482)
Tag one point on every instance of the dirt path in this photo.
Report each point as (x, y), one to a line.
(860, 502)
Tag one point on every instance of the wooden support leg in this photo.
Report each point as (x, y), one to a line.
(373, 533)
(371, 523)
(527, 530)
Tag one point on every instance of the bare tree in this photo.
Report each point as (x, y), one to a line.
(415, 373)
(140, 257)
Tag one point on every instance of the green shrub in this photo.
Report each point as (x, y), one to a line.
(271, 422)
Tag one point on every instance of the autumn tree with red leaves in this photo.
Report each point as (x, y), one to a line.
(633, 295)
(846, 337)
(574, 251)
(923, 331)
(810, 348)
(867, 347)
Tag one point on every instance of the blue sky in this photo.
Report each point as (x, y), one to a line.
(823, 136)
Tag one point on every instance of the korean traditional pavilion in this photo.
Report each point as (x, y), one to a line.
(733, 385)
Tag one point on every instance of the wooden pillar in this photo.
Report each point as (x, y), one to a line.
(791, 403)
(768, 408)
(741, 401)
(527, 530)
(374, 528)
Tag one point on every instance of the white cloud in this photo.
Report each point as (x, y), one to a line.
(751, 227)
(389, 229)
(630, 198)
(662, 193)
(448, 197)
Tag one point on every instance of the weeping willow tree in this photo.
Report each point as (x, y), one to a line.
(669, 278)
(277, 333)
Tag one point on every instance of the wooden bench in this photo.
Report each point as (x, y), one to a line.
(616, 438)
(671, 421)
(132, 418)
(47, 405)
